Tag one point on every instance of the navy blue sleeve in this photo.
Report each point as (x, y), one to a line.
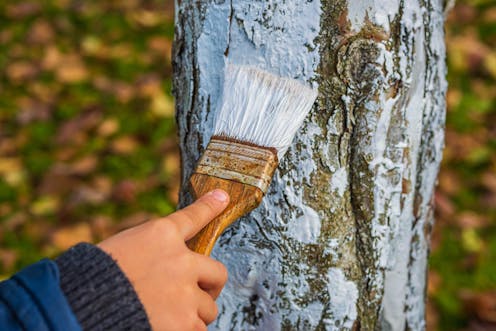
(32, 300)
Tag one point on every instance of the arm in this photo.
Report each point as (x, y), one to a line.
(99, 293)
(32, 300)
(147, 275)
(141, 278)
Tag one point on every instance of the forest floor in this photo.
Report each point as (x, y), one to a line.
(88, 142)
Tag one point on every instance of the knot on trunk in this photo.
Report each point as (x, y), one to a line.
(360, 66)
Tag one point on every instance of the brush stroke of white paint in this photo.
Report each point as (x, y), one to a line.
(343, 296)
(305, 228)
(278, 38)
(379, 12)
(339, 181)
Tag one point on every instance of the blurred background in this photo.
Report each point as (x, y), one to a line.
(88, 144)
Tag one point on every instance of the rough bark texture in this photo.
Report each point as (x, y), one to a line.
(340, 242)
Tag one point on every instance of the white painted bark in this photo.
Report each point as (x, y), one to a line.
(341, 239)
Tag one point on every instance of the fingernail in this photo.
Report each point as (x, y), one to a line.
(220, 195)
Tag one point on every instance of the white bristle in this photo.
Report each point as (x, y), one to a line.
(262, 108)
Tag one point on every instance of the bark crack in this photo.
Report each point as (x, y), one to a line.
(231, 14)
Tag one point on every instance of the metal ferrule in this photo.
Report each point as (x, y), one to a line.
(244, 163)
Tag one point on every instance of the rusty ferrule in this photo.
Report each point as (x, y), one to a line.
(241, 162)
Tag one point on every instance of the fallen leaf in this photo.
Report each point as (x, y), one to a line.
(80, 167)
(160, 45)
(51, 58)
(162, 105)
(57, 182)
(467, 52)
(173, 192)
(471, 220)
(124, 145)
(16, 178)
(8, 258)
(15, 221)
(74, 130)
(146, 18)
(92, 45)
(9, 146)
(125, 191)
(102, 184)
(120, 51)
(444, 205)
(66, 237)
(108, 127)
(21, 70)
(129, 5)
(102, 227)
(84, 165)
(12, 171)
(453, 98)
(44, 92)
(434, 282)
(490, 64)
(171, 164)
(124, 92)
(449, 182)
(69, 68)
(464, 13)
(31, 110)
(471, 241)
(489, 15)
(9, 164)
(85, 194)
(65, 153)
(72, 71)
(149, 85)
(41, 32)
(102, 83)
(45, 205)
(483, 90)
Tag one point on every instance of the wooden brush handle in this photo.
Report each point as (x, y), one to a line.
(243, 199)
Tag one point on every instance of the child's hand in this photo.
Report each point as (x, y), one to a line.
(177, 286)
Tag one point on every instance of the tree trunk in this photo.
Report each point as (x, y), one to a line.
(341, 239)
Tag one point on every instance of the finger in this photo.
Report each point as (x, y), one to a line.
(192, 219)
(199, 325)
(212, 276)
(207, 308)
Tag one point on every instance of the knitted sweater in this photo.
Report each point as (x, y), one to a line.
(99, 293)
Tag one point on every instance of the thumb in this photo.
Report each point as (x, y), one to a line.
(192, 219)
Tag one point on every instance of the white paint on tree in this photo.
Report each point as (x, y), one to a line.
(276, 271)
(396, 276)
(331, 248)
(339, 181)
(380, 12)
(305, 228)
(343, 295)
(260, 34)
(211, 62)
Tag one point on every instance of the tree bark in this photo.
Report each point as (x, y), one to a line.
(341, 239)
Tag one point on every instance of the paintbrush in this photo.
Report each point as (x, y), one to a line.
(258, 119)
